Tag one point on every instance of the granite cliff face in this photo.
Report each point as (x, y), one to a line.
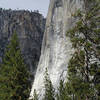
(56, 47)
(30, 28)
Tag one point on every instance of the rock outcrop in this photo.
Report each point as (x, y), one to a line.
(30, 28)
(56, 47)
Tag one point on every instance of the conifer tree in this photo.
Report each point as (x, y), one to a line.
(14, 76)
(49, 90)
(35, 96)
(62, 93)
(84, 66)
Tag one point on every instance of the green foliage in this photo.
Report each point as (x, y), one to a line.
(35, 96)
(62, 93)
(84, 66)
(14, 77)
(49, 90)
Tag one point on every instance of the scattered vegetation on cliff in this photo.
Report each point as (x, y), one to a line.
(84, 66)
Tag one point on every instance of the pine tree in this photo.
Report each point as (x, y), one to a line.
(35, 97)
(14, 76)
(84, 66)
(49, 90)
(62, 93)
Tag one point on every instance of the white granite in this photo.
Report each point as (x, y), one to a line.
(56, 47)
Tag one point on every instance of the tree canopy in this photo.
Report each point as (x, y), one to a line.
(84, 66)
(14, 76)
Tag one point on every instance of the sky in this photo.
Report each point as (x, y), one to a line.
(41, 5)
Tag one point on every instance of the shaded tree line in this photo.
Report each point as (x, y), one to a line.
(14, 75)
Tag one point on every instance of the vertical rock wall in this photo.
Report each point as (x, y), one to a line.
(29, 27)
(56, 48)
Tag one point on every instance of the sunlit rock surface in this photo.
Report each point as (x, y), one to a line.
(56, 47)
(29, 27)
